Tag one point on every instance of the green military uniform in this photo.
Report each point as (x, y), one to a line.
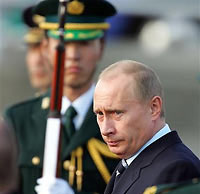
(188, 187)
(29, 121)
(86, 161)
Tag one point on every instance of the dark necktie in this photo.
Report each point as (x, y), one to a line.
(119, 172)
(69, 124)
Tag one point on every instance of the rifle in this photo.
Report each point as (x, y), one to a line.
(52, 163)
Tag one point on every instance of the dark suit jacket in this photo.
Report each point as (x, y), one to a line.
(167, 160)
(29, 122)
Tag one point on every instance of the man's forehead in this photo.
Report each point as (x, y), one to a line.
(120, 86)
(113, 102)
(117, 97)
(99, 106)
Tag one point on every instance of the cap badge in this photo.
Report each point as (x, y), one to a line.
(75, 7)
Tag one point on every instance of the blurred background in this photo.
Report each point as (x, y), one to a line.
(162, 34)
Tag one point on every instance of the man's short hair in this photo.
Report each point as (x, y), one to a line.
(147, 81)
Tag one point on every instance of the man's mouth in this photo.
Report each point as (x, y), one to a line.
(73, 69)
(112, 143)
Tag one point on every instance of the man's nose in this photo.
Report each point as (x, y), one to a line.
(107, 127)
(72, 51)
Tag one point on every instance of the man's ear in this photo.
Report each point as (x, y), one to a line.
(156, 107)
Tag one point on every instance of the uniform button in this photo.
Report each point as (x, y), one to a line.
(66, 164)
(45, 103)
(79, 173)
(35, 160)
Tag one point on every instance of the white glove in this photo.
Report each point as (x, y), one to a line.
(53, 185)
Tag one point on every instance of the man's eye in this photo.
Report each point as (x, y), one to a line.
(84, 43)
(99, 113)
(118, 112)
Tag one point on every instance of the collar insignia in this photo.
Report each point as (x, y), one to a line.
(45, 103)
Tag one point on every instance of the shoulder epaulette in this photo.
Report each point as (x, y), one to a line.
(25, 102)
(97, 148)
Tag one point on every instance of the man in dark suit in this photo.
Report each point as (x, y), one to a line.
(128, 102)
(86, 161)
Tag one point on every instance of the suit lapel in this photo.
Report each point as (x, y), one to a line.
(129, 176)
(144, 159)
(110, 185)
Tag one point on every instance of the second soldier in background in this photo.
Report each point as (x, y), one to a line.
(38, 65)
(84, 46)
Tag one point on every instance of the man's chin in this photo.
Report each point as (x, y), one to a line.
(72, 85)
(116, 151)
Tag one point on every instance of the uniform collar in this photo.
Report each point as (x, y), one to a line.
(81, 105)
(157, 136)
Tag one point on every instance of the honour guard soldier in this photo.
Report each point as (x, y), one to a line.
(38, 66)
(86, 161)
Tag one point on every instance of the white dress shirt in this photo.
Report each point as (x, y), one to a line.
(81, 105)
(157, 136)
